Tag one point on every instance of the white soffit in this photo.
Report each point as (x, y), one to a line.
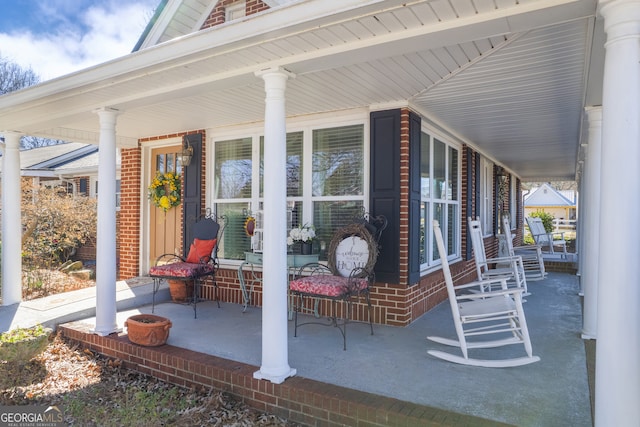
(459, 61)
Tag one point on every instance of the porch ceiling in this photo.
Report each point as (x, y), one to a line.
(509, 78)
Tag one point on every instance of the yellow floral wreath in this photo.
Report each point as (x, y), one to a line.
(164, 191)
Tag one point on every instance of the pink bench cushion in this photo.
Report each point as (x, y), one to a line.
(181, 270)
(327, 285)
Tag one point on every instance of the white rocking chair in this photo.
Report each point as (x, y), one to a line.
(531, 255)
(510, 267)
(490, 313)
(545, 239)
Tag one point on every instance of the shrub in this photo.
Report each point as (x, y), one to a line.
(547, 219)
(55, 222)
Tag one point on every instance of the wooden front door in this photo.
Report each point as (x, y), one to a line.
(165, 227)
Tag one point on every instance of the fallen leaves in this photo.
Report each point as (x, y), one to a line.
(88, 387)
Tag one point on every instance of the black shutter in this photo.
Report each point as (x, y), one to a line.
(385, 189)
(84, 186)
(191, 191)
(415, 156)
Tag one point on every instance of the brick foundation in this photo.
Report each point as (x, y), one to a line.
(298, 399)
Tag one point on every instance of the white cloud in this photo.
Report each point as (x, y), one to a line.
(104, 31)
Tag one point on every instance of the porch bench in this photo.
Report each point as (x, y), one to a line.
(317, 281)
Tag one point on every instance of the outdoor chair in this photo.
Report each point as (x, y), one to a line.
(498, 314)
(200, 263)
(545, 239)
(509, 267)
(531, 255)
(348, 275)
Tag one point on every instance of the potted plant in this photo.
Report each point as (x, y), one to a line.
(20, 345)
(148, 329)
(305, 234)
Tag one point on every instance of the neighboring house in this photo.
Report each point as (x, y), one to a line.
(424, 110)
(72, 165)
(547, 199)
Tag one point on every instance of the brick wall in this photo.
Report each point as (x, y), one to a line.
(393, 304)
(130, 181)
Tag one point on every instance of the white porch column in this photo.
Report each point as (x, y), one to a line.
(591, 224)
(580, 226)
(618, 329)
(106, 244)
(11, 221)
(275, 346)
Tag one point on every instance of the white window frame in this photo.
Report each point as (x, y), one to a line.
(306, 125)
(432, 263)
(486, 195)
(93, 189)
(235, 11)
(513, 199)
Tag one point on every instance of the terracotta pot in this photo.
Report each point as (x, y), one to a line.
(181, 290)
(148, 329)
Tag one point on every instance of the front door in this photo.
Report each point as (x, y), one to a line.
(165, 228)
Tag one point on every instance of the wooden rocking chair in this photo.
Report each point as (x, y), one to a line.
(510, 267)
(200, 263)
(498, 313)
(531, 255)
(546, 240)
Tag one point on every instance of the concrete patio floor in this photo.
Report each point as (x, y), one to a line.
(394, 361)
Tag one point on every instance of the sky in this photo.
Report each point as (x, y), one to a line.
(57, 37)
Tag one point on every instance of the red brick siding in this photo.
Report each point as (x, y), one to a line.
(130, 182)
(393, 304)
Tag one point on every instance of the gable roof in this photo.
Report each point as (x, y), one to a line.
(177, 18)
(509, 79)
(66, 160)
(546, 195)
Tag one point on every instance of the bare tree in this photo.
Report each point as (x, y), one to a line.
(14, 77)
(558, 185)
(28, 142)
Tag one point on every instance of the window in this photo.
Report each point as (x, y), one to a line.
(235, 11)
(118, 190)
(325, 182)
(486, 195)
(513, 198)
(84, 186)
(440, 197)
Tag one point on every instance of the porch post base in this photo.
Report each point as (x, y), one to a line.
(276, 379)
(104, 333)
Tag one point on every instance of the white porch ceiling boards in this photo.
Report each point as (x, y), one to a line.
(506, 76)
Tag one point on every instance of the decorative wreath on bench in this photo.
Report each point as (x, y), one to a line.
(353, 230)
(164, 191)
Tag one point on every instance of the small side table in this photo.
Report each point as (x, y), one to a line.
(254, 259)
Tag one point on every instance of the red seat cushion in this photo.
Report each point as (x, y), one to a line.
(200, 249)
(328, 285)
(182, 270)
